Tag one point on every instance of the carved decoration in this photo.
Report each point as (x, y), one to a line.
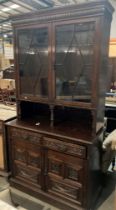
(55, 167)
(28, 174)
(66, 190)
(66, 14)
(25, 135)
(34, 159)
(65, 147)
(20, 154)
(72, 174)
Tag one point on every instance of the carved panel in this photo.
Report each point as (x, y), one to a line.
(25, 136)
(34, 159)
(28, 174)
(20, 154)
(72, 174)
(65, 190)
(65, 147)
(55, 167)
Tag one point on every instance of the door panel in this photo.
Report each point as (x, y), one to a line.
(65, 175)
(74, 59)
(33, 58)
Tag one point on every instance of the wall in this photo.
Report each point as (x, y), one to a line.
(113, 25)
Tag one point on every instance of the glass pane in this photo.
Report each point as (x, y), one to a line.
(74, 61)
(33, 62)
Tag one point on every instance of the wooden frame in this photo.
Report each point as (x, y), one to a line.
(70, 134)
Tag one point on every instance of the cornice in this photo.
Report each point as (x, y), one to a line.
(67, 12)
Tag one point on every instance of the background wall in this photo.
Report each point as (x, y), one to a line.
(113, 26)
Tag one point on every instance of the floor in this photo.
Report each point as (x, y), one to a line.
(107, 198)
(106, 201)
(5, 196)
(12, 196)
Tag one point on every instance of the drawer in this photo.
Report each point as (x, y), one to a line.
(68, 148)
(24, 135)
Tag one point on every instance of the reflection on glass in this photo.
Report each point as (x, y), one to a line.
(74, 61)
(33, 62)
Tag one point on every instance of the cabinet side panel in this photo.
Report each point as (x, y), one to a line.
(103, 72)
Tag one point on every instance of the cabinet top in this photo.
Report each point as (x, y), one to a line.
(80, 134)
(86, 9)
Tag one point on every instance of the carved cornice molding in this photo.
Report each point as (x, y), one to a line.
(68, 12)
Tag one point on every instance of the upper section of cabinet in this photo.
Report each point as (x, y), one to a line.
(58, 53)
(90, 8)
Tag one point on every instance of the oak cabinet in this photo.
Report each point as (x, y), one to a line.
(61, 59)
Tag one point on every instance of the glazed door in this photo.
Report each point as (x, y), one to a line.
(33, 62)
(73, 61)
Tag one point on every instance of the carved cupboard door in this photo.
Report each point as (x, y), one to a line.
(65, 176)
(27, 162)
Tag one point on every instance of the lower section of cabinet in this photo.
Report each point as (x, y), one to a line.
(54, 168)
(48, 197)
(59, 176)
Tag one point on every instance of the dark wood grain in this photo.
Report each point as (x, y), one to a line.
(55, 144)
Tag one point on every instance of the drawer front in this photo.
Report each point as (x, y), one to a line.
(23, 135)
(68, 148)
